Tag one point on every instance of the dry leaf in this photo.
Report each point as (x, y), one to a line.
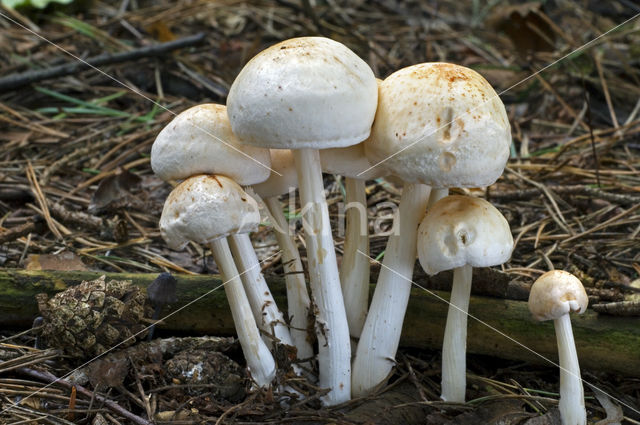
(527, 27)
(62, 261)
(109, 372)
(32, 402)
(615, 415)
(161, 31)
(114, 190)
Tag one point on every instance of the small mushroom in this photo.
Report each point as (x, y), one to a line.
(553, 296)
(459, 233)
(200, 140)
(206, 209)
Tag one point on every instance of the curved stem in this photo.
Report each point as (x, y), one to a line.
(265, 311)
(354, 271)
(334, 349)
(297, 295)
(454, 345)
(571, 404)
(259, 359)
(381, 333)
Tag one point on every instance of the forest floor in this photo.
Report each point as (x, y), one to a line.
(77, 190)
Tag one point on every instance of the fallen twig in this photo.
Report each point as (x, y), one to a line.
(79, 218)
(34, 225)
(114, 407)
(13, 81)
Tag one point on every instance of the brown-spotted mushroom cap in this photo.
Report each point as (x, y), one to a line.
(286, 178)
(349, 162)
(460, 230)
(416, 105)
(307, 92)
(204, 208)
(200, 141)
(555, 294)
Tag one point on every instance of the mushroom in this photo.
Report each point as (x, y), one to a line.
(459, 233)
(200, 140)
(354, 270)
(437, 125)
(206, 209)
(553, 296)
(306, 94)
(298, 305)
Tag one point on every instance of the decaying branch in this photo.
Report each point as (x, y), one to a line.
(497, 327)
(79, 218)
(13, 81)
(34, 225)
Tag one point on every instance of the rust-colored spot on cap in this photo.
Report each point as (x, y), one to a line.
(216, 179)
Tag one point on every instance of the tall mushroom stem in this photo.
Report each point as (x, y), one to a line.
(265, 311)
(259, 359)
(381, 333)
(354, 271)
(297, 295)
(454, 345)
(572, 409)
(334, 350)
(436, 195)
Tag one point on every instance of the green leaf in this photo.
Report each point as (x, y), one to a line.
(38, 4)
(92, 107)
(12, 4)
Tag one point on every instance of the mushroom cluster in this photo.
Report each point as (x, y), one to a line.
(438, 125)
(310, 105)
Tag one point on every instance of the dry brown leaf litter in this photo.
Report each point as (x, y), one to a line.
(571, 191)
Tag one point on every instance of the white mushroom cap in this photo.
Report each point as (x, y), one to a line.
(276, 185)
(416, 105)
(349, 162)
(199, 141)
(460, 230)
(204, 208)
(307, 92)
(555, 294)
